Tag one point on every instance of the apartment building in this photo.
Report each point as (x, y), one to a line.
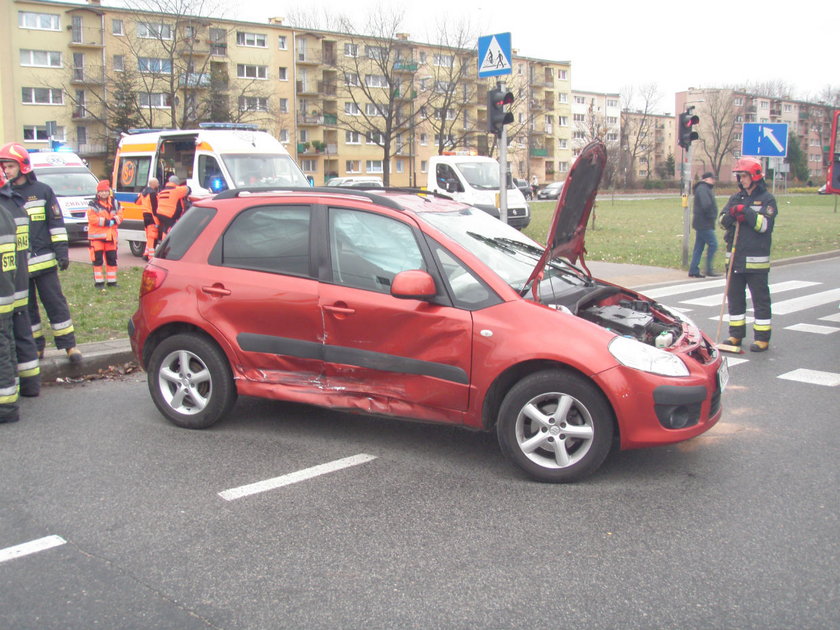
(595, 115)
(723, 113)
(78, 73)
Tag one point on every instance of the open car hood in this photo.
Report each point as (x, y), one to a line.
(566, 237)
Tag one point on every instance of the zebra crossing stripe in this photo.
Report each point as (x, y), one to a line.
(831, 318)
(684, 288)
(806, 302)
(813, 377)
(813, 328)
(779, 287)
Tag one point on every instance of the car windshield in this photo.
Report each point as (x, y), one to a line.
(505, 250)
(68, 181)
(481, 175)
(267, 169)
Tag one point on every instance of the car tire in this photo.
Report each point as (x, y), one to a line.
(190, 381)
(556, 426)
(137, 248)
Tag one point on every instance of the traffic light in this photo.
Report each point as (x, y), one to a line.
(685, 132)
(497, 117)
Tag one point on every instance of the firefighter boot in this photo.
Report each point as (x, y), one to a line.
(759, 346)
(74, 355)
(732, 341)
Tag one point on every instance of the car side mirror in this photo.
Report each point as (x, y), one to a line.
(414, 284)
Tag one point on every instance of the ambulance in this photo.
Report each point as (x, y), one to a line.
(73, 184)
(210, 159)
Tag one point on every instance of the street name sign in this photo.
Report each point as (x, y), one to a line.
(494, 55)
(764, 139)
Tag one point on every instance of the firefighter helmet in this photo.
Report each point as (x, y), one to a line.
(749, 165)
(14, 152)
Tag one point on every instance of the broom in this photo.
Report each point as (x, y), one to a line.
(728, 347)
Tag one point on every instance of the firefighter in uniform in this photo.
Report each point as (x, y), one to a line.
(104, 218)
(754, 209)
(8, 362)
(28, 366)
(47, 251)
(147, 199)
(171, 203)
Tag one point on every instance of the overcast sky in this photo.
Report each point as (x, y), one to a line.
(612, 44)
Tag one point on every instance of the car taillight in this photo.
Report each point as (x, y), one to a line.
(152, 278)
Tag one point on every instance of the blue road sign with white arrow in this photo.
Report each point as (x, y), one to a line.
(494, 55)
(765, 139)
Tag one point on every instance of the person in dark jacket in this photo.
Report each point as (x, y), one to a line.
(8, 361)
(705, 215)
(754, 210)
(47, 250)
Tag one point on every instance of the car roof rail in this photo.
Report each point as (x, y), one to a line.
(233, 193)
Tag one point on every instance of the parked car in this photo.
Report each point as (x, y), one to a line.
(410, 305)
(550, 191)
(355, 182)
(524, 187)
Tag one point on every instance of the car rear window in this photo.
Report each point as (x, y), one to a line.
(183, 235)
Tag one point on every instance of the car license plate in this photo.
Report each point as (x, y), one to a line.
(723, 374)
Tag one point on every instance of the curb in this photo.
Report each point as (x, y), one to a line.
(98, 355)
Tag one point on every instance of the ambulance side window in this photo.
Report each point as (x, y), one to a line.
(210, 174)
(133, 173)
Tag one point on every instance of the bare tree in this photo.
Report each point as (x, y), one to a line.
(377, 79)
(718, 139)
(638, 130)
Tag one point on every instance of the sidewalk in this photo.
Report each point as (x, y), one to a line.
(99, 355)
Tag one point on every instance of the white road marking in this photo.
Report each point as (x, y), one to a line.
(808, 301)
(831, 318)
(300, 475)
(33, 546)
(779, 287)
(813, 377)
(731, 361)
(684, 288)
(813, 328)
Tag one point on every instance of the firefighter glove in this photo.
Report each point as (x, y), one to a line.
(63, 263)
(737, 212)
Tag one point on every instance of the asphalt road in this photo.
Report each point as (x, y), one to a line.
(735, 529)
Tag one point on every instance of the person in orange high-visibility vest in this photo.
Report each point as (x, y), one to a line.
(104, 217)
(147, 199)
(172, 202)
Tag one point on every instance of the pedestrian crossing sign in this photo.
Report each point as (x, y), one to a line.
(494, 55)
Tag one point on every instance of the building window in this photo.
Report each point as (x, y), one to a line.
(375, 137)
(562, 143)
(579, 117)
(281, 42)
(117, 27)
(562, 97)
(352, 137)
(561, 74)
(154, 65)
(351, 79)
(253, 104)
(424, 139)
(612, 137)
(303, 134)
(351, 109)
(284, 135)
(444, 61)
(155, 99)
(579, 135)
(40, 58)
(153, 30)
(563, 121)
(119, 63)
(38, 21)
(562, 166)
(248, 71)
(351, 50)
(400, 166)
(42, 96)
(284, 106)
(309, 165)
(376, 80)
(378, 53)
(580, 100)
(612, 120)
(373, 166)
(35, 133)
(424, 166)
(353, 166)
(81, 135)
(372, 109)
(252, 40)
(284, 74)
(611, 102)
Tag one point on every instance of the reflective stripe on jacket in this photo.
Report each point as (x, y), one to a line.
(103, 219)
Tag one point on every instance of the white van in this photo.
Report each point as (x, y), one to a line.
(474, 180)
(213, 158)
(73, 184)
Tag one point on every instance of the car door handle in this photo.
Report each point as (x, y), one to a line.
(216, 290)
(341, 310)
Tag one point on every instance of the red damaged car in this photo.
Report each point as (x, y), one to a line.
(406, 304)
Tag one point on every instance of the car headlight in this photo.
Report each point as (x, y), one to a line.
(640, 356)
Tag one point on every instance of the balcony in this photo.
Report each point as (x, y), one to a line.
(88, 75)
(330, 119)
(538, 153)
(405, 66)
(304, 57)
(92, 150)
(537, 105)
(218, 49)
(327, 88)
(85, 37)
(194, 48)
(310, 119)
(306, 87)
(81, 113)
(195, 80)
